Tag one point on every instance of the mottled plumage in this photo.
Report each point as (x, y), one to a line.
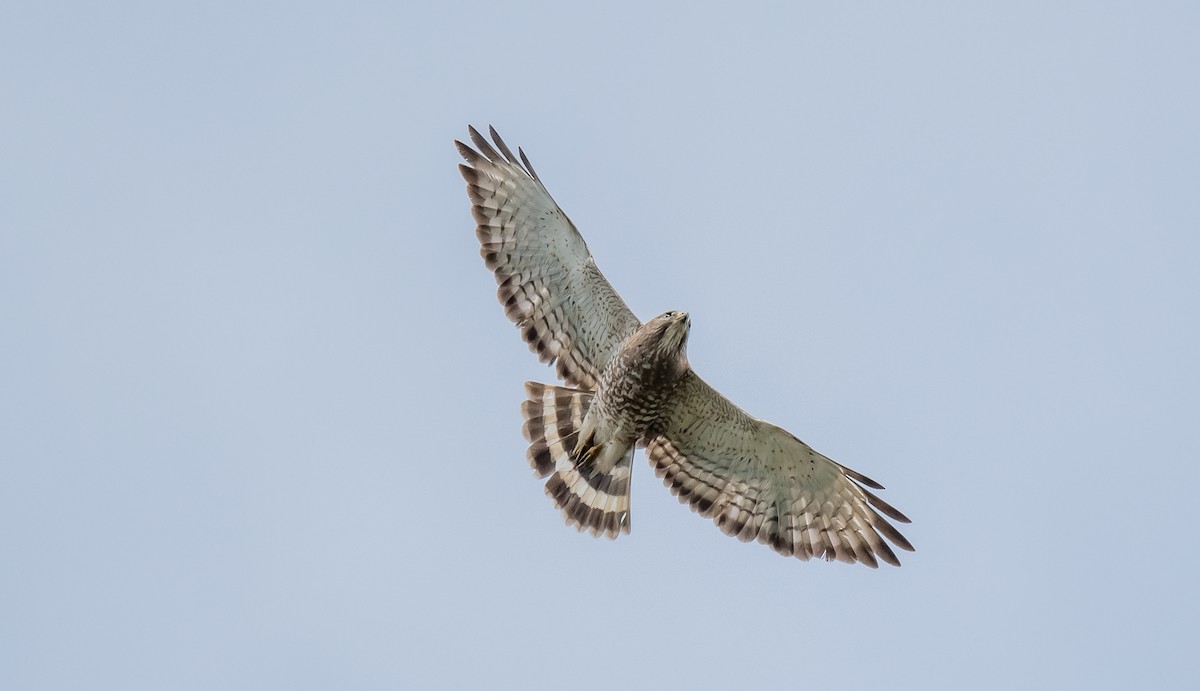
(629, 384)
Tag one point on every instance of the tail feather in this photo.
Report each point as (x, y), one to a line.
(590, 498)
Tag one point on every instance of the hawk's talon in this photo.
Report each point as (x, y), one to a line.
(587, 458)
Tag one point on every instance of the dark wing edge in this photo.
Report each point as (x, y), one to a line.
(549, 284)
(757, 481)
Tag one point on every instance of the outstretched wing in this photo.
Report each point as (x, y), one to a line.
(549, 284)
(757, 481)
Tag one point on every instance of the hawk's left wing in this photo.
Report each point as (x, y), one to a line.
(549, 284)
(758, 481)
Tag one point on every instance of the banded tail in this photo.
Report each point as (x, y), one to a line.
(589, 496)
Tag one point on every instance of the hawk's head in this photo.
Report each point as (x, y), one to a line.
(670, 330)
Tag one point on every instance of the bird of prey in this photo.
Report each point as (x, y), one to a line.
(629, 385)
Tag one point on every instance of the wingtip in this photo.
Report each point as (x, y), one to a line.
(862, 479)
(484, 146)
(528, 166)
(508, 154)
(469, 155)
(886, 554)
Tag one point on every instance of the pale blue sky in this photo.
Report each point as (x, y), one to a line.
(259, 419)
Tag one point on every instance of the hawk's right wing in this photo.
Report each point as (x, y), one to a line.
(758, 481)
(549, 284)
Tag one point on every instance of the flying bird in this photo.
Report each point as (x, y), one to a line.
(629, 385)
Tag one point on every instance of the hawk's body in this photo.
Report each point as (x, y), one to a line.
(630, 383)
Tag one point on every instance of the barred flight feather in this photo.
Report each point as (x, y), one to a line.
(590, 498)
(540, 261)
(807, 505)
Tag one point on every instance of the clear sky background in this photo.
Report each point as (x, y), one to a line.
(259, 420)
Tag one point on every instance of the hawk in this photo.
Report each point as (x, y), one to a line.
(629, 385)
